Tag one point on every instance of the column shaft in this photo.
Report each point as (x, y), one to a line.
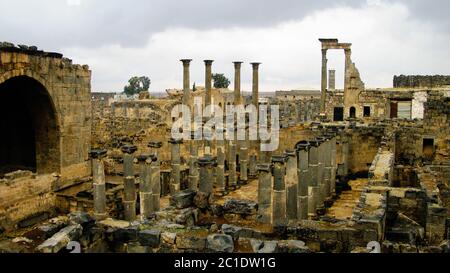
(129, 188)
(291, 185)
(323, 81)
(99, 189)
(265, 187)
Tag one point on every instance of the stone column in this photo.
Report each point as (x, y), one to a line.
(193, 169)
(99, 184)
(129, 188)
(291, 185)
(345, 153)
(237, 83)
(331, 79)
(186, 81)
(327, 167)
(324, 81)
(252, 166)
(145, 186)
(333, 166)
(208, 78)
(232, 177)
(243, 160)
(348, 61)
(313, 169)
(320, 172)
(155, 174)
(175, 179)
(220, 168)
(255, 84)
(206, 164)
(265, 186)
(279, 190)
(304, 180)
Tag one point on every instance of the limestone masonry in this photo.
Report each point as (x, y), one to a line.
(355, 168)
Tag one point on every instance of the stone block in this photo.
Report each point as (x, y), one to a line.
(193, 242)
(60, 240)
(220, 243)
(149, 237)
(245, 207)
(183, 199)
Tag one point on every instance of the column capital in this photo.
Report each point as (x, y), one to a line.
(237, 63)
(208, 62)
(264, 167)
(255, 64)
(129, 149)
(155, 144)
(97, 153)
(186, 61)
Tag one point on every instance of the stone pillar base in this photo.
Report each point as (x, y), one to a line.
(129, 210)
(302, 207)
(279, 208)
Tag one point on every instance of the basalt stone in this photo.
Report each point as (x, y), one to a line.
(246, 207)
(48, 230)
(217, 210)
(201, 200)
(82, 218)
(268, 247)
(183, 199)
(236, 232)
(184, 241)
(135, 247)
(220, 243)
(60, 240)
(168, 237)
(292, 246)
(126, 234)
(149, 237)
(187, 217)
(256, 245)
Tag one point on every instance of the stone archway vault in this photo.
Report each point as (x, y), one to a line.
(30, 126)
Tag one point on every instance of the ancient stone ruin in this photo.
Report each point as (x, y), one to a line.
(356, 170)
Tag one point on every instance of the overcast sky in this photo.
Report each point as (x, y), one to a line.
(120, 39)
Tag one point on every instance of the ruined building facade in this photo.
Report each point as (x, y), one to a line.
(46, 104)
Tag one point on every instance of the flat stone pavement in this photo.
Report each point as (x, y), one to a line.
(342, 208)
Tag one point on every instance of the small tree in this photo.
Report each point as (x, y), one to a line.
(136, 85)
(220, 81)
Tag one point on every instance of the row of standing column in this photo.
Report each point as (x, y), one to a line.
(149, 182)
(295, 185)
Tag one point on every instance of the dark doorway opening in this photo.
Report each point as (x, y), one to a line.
(366, 112)
(338, 114)
(394, 110)
(428, 148)
(29, 138)
(352, 112)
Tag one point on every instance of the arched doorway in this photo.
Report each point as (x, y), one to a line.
(352, 112)
(30, 133)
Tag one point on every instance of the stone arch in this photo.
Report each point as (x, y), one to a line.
(31, 138)
(352, 112)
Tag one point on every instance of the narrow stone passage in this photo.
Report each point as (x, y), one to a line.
(342, 209)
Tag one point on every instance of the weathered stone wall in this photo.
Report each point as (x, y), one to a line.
(363, 146)
(68, 86)
(26, 197)
(421, 81)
